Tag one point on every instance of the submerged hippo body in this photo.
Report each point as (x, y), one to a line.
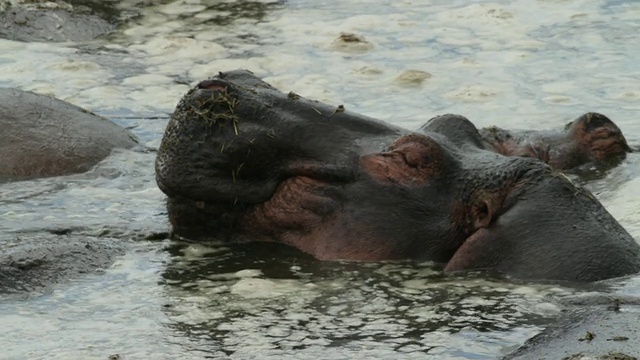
(242, 161)
(42, 136)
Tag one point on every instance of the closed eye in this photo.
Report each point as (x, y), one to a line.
(415, 155)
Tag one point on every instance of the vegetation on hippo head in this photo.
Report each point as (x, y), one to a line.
(211, 107)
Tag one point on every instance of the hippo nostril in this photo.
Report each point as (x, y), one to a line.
(212, 85)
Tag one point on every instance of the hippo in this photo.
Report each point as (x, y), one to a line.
(590, 138)
(591, 326)
(241, 161)
(42, 136)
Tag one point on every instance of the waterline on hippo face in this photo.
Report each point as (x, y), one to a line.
(241, 160)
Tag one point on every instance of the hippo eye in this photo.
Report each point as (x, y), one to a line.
(418, 151)
(417, 156)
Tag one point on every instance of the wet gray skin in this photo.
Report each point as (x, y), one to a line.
(591, 139)
(60, 21)
(126, 311)
(593, 327)
(35, 264)
(242, 161)
(43, 136)
(83, 20)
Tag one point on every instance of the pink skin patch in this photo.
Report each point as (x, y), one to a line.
(214, 85)
(602, 141)
(299, 214)
(466, 255)
(412, 160)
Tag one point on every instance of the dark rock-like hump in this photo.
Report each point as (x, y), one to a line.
(604, 328)
(42, 136)
(38, 263)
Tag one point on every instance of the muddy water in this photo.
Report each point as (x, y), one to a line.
(517, 64)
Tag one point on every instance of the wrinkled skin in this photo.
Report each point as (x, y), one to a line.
(242, 161)
(42, 136)
(591, 137)
(35, 263)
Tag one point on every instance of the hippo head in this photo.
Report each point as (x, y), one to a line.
(242, 161)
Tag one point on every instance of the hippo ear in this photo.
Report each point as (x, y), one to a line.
(593, 121)
(456, 128)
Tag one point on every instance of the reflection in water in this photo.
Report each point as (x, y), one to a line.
(275, 300)
(229, 12)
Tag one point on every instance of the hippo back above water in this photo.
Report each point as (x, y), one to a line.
(242, 161)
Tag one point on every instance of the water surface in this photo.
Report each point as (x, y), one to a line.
(533, 64)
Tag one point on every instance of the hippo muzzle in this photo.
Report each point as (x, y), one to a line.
(242, 161)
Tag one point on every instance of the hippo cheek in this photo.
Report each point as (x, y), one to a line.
(553, 231)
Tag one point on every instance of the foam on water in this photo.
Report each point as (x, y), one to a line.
(517, 64)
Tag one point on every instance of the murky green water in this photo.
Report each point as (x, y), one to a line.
(516, 64)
